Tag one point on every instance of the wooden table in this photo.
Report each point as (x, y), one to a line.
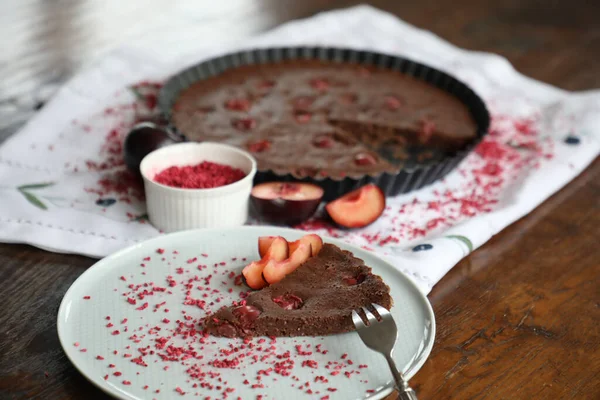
(517, 319)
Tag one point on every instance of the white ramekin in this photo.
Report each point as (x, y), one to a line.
(172, 209)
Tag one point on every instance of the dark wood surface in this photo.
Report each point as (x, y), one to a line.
(517, 319)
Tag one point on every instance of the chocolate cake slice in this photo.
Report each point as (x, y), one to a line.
(316, 299)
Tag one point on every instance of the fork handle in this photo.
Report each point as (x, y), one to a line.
(407, 394)
(404, 391)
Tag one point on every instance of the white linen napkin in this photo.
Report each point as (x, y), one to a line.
(62, 186)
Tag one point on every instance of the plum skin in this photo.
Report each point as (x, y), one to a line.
(280, 211)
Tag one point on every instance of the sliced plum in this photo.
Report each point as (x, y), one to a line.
(275, 271)
(253, 275)
(253, 272)
(313, 239)
(264, 242)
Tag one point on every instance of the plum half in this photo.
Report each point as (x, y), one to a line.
(358, 208)
(143, 139)
(285, 203)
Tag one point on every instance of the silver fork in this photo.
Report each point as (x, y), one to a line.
(380, 335)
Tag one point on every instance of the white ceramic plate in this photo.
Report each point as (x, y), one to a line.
(92, 345)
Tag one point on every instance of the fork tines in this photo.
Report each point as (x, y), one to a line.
(370, 317)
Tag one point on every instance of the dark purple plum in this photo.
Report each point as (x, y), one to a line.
(143, 139)
(285, 203)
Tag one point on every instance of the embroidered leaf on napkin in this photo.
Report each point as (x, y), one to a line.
(139, 218)
(35, 186)
(23, 189)
(34, 200)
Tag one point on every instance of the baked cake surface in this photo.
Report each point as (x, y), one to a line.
(316, 299)
(314, 118)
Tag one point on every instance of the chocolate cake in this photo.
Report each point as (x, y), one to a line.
(316, 299)
(317, 118)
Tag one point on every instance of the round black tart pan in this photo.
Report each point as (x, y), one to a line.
(414, 173)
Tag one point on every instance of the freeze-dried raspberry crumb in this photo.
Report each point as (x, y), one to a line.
(201, 176)
(302, 352)
(310, 364)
